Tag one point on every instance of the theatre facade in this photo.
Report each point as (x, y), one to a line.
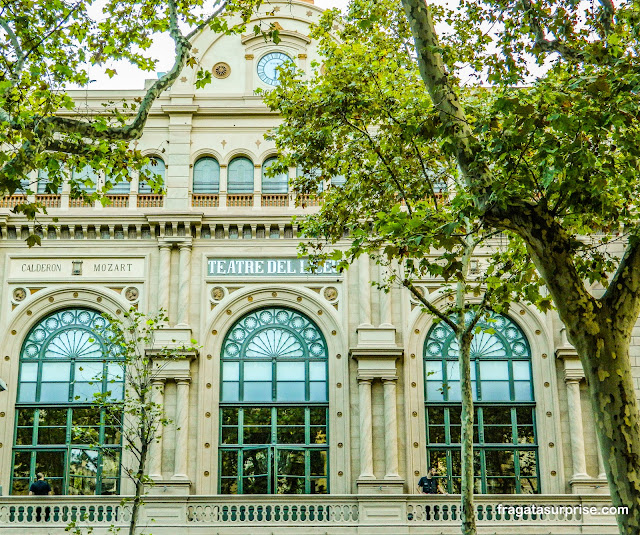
(315, 401)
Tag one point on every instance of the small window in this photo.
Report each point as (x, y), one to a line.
(240, 176)
(154, 169)
(206, 176)
(274, 184)
(313, 173)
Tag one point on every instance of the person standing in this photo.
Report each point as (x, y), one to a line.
(41, 488)
(430, 485)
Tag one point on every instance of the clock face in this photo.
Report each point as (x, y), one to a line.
(268, 64)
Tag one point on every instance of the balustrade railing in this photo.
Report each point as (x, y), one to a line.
(204, 200)
(150, 201)
(48, 200)
(10, 201)
(245, 199)
(275, 199)
(79, 203)
(118, 201)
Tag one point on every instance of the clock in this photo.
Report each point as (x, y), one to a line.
(268, 64)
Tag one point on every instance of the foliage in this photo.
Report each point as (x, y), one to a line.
(140, 361)
(547, 154)
(48, 48)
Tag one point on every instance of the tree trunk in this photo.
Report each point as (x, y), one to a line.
(468, 517)
(138, 498)
(607, 367)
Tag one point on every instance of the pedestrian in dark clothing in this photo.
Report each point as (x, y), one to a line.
(430, 485)
(41, 488)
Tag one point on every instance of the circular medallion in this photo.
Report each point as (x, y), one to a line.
(131, 293)
(19, 294)
(268, 64)
(217, 293)
(221, 70)
(330, 293)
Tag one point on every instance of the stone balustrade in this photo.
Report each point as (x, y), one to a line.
(304, 515)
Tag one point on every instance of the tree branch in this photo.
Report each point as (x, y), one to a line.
(622, 297)
(429, 306)
(18, 49)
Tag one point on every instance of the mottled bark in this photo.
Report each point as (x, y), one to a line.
(600, 330)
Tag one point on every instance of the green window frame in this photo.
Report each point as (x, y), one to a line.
(240, 176)
(65, 360)
(274, 184)
(505, 441)
(274, 406)
(206, 176)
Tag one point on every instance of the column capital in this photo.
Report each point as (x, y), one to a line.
(389, 380)
(184, 245)
(365, 380)
(158, 381)
(162, 244)
(183, 380)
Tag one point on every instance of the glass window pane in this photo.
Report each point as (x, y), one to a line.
(50, 463)
(24, 436)
(115, 391)
(496, 415)
(255, 462)
(257, 371)
(433, 370)
(521, 370)
(318, 462)
(29, 371)
(89, 371)
(501, 485)
(85, 391)
(522, 391)
(115, 372)
(231, 371)
(291, 435)
(319, 486)
(290, 416)
(290, 371)
(228, 463)
(436, 415)
(257, 391)
(52, 435)
(290, 391)
(318, 391)
(257, 435)
(229, 485)
(229, 435)
(291, 462)
(524, 415)
(435, 391)
(495, 390)
(436, 434)
(498, 434)
(318, 415)
(21, 463)
(110, 463)
(230, 391)
(499, 462)
(50, 392)
(494, 369)
(453, 391)
(83, 462)
(230, 416)
(527, 460)
(257, 416)
(528, 486)
(20, 487)
(56, 371)
(318, 435)
(317, 371)
(25, 417)
(27, 392)
(526, 434)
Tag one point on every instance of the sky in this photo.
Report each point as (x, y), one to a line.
(129, 77)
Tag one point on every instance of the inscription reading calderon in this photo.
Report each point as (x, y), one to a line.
(40, 267)
(267, 267)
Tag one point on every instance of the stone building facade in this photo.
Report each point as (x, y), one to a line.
(354, 392)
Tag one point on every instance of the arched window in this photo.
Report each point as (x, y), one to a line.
(274, 184)
(122, 187)
(155, 170)
(506, 453)
(66, 359)
(240, 176)
(86, 174)
(43, 181)
(273, 398)
(206, 176)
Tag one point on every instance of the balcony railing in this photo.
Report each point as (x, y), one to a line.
(150, 201)
(275, 199)
(203, 200)
(10, 201)
(49, 200)
(79, 203)
(300, 515)
(118, 201)
(245, 199)
(308, 200)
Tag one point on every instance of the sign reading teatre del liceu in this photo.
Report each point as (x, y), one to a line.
(267, 267)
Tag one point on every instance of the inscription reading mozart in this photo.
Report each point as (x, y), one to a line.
(267, 267)
(109, 267)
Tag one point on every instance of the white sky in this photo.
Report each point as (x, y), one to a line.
(129, 77)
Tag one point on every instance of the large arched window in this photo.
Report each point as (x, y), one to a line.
(87, 178)
(274, 184)
(206, 176)
(43, 182)
(156, 171)
(273, 398)
(66, 359)
(506, 453)
(240, 176)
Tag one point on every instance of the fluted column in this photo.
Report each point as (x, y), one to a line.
(164, 277)
(366, 431)
(182, 429)
(391, 429)
(364, 291)
(579, 462)
(157, 397)
(183, 284)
